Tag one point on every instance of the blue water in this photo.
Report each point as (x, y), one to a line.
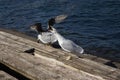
(92, 24)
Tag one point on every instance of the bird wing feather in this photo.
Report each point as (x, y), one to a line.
(48, 37)
(70, 46)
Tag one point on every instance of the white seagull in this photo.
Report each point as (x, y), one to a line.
(47, 37)
(66, 44)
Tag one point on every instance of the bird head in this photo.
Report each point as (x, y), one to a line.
(37, 27)
(51, 22)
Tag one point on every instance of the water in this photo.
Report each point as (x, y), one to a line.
(92, 24)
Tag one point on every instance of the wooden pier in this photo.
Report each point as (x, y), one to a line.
(48, 63)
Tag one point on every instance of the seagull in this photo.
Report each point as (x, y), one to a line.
(45, 37)
(66, 44)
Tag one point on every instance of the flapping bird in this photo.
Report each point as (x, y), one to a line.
(47, 37)
(65, 44)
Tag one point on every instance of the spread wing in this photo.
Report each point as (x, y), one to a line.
(60, 18)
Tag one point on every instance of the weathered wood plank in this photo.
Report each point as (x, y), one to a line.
(5, 76)
(48, 59)
(91, 57)
(41, 68)
(95, 58)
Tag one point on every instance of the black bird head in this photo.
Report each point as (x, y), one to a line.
(37, 27)
(51, 22)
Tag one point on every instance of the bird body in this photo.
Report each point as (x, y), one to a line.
(67, 44)
(45, 37)
(51, 36)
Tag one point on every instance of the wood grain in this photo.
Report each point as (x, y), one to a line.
(50, 63)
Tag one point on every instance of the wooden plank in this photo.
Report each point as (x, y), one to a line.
(91, 57)
(6, 76)
(37, 68)
(53, 50)
(41, 68)
(11, 73)
(49, 56)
